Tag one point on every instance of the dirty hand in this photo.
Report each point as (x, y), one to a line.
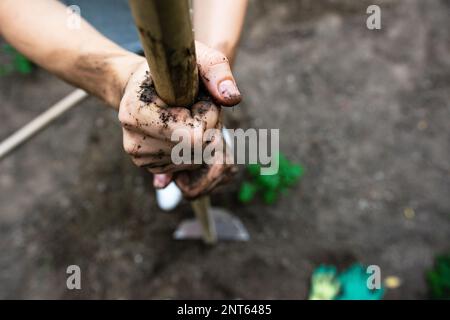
(148, 124)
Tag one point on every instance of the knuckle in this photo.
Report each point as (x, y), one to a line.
(121, 114)
(215, 57)
(129, 146)
(124, 114)
(211, 57)
(138, 161)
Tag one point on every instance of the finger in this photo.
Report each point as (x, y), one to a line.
(151, 162)
(161, 181)
(216, 75)
(199, 182)
(139, 144)
(139, 117)
(172, 168)
(206, 112)
(160, 123)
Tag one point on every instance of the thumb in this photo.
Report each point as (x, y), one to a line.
(216, 75)
(161, 181)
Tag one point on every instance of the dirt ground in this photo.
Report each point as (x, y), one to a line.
(366, 112)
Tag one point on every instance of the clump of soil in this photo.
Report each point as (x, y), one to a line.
(166, 117)
(147, 92)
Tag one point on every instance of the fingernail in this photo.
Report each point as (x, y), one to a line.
(159, 181)
(228, 90)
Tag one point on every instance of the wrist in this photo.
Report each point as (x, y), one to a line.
(103, 74)
(122, 68)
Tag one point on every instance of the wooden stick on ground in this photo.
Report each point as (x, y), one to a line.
(40, 122)
(165, 30)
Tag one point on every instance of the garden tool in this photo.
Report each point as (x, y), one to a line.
(165, 30)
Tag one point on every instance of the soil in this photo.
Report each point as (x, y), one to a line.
(366, 112)
(147, 92)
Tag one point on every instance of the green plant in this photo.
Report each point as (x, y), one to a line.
(270, 186)
(18, 62)
(439, 278)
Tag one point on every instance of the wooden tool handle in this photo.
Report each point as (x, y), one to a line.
(165, 30)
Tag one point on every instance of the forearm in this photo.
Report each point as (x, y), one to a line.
(218, 24)
(82, 57)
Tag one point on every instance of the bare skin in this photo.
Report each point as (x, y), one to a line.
(86, 59)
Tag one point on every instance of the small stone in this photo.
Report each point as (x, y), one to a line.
(379, 176)
(409, 213)
(422, 125)
(101, 187)
(363, 204)
(138, 259)
(392, 282)
(290, 79)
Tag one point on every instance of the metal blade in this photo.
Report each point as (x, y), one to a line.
(227, 226)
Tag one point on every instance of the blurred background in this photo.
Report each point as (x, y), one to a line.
(365, 112)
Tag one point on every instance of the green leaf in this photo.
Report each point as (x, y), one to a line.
(270, 196)
(247, 192)
(439, 278)
(254, 169)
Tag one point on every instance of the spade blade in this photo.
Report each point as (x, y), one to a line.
(227, 227)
